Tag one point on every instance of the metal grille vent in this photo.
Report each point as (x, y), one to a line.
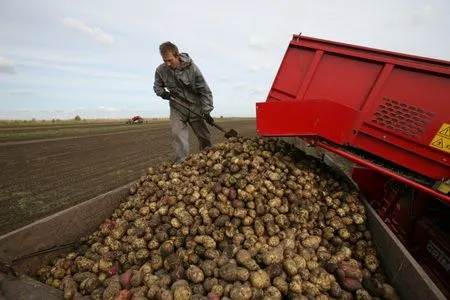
(402, 118)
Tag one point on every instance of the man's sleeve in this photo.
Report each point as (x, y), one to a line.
(204, 91)
(158, 85)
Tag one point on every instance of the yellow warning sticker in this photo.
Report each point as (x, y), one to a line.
(441, 140)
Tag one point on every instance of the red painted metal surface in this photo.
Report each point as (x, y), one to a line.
(388, 104)
(372, 166)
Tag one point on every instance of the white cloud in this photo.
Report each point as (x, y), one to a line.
(240, 86)
(260, 67)
(86, 71)
(18, 94)
(94, 32)
(257, 43)
(258, 90)
(108, 108)
(424, 15)
(6, 66)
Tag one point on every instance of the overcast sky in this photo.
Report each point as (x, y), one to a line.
(96, 58)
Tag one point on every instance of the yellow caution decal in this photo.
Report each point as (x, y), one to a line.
(441, 140)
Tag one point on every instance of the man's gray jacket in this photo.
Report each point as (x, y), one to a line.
(188, 83)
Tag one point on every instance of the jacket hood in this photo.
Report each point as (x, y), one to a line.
(185, 60)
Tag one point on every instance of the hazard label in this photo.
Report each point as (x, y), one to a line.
(441, 140)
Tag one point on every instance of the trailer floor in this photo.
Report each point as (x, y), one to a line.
(41, 177)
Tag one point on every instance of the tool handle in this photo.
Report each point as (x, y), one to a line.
(179, 102)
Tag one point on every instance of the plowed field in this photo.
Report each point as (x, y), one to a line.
(42, 176)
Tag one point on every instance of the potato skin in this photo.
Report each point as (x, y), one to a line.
(250, 218)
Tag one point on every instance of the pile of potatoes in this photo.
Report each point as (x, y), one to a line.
(251, 218)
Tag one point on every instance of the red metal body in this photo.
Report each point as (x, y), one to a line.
(388, 104)
(379, 109)
(415, 218)
(136, 118)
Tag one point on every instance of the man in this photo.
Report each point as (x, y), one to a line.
(180, 78)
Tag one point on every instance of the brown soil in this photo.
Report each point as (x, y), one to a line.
(41, 177)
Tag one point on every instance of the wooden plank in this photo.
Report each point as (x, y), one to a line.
(25, 288)
(61, 228)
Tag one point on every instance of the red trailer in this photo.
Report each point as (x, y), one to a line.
(389, 113)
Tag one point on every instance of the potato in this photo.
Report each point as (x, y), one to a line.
(181, 290)
(363, 295)
(335, 290)
(273, 256)
(290, 267)
(351, 271)
(111, 290)
(274, 270)
(242, 274)
(350, 284)
(165, 294)
(241, 293)
(310, 289)
(389, 292)
(281, 285)
(272, 293)
(248, 218)
(195, 274)
(371, 262)
(69, 287)
(207, 241)
(260, 279)
(228, 272)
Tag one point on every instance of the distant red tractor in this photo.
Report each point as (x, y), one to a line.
(135, 120)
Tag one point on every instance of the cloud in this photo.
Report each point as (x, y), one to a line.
(85, 71)
(240, 86)
(18, 94)
(424, 15)
(6, 66)
(260, 67)
(257, 90)
(107, 108)
(94, 32)
(257, 43)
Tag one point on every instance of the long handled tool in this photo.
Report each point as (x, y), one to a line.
(228, 133)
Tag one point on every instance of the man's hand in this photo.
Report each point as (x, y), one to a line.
(166, 95)
(208, 118)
